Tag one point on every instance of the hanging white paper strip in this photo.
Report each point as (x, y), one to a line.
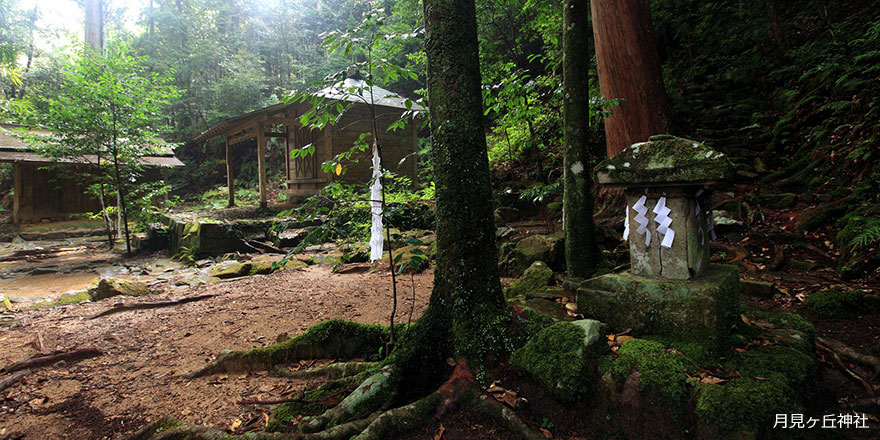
(626, 224)
(376, 241)
(642, 219)
(663, 222)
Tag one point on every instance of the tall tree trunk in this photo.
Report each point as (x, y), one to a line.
(466, 281)
(581, 249)
(629, 68)
(94, 22)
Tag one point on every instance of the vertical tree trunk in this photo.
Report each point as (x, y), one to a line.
(581, 249)
(94, 22)
(467, 290)
(629, 68)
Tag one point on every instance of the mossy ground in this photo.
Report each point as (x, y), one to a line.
(839, 305)
(747, 386)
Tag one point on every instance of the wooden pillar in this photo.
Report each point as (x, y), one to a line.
(230, 177)
(261, 163)
(165, 180)
(17, 193)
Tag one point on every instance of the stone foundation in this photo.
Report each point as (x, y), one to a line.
(705, 309)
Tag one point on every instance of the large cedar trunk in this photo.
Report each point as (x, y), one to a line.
(581, 249)
(629, 69)
(94, 25)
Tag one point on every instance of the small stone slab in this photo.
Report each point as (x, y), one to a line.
(704, 309)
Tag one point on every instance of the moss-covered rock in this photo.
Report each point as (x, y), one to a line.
(355, 253)
(704, 310)
(834, 304)
(660, 373)
(561, 356)
(798, 368)
(109, 287)
(743, 407)
(537, 276)
(547, 248)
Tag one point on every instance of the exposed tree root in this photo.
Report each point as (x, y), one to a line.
(333, 371)
(359, 415)
(151, 305)
(332, 339)
(68, 356)
(373, 394)
(845, 350)
(459, 389)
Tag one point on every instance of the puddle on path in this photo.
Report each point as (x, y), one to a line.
(46, 285)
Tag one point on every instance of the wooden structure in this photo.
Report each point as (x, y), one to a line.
(41, 193)
(304, 175)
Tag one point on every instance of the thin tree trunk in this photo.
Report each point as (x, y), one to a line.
(466, 300)
(120, 186)
(375, 129)
(581, 249)
(629, 68)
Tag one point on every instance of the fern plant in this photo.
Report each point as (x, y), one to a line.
(869, 234)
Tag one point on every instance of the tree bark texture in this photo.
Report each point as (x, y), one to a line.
(467, 288)
(581, 249)
(629, 69)
(94, 25)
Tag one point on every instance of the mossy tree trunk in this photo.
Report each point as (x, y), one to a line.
(629, 68)
(581, 249)
(466, 304)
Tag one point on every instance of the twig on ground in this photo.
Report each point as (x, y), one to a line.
(152, 305)
(12, 380)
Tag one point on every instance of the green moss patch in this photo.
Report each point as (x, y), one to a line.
(661, 373)
(744, 405)
(560, 356)
(834, 304)
(310, 405)
(797, 367)
(536, 277)
(63, 300)
(335, 338)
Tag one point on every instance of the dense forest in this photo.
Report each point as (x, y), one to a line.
(528, 115)
(798, 79)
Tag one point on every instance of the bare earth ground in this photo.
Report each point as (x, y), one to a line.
(138, 378)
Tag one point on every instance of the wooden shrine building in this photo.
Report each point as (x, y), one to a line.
(304, 175)
(42, 192)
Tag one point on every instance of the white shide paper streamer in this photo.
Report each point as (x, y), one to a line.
(626, 224)
(663, 222)
(376, 242)
(642, 219)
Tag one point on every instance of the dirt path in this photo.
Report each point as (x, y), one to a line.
(137, 380)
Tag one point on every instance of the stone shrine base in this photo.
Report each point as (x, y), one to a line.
(705, 309)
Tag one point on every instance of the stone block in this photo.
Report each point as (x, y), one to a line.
(705, 309)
